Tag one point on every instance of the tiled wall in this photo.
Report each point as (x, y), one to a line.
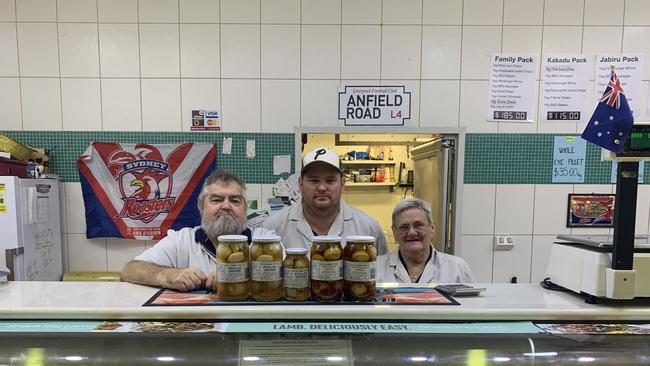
(271, 65)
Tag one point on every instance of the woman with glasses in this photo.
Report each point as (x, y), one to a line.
(416, 260)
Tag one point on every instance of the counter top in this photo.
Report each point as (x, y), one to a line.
(118, 300)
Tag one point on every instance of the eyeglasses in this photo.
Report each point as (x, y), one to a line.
(420, 227)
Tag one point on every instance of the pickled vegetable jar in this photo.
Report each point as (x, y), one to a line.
(232, 267)
(266, 268)
(296, 275)
(359, 268)
(326, 268)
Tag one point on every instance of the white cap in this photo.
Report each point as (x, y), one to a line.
(321, 154)
(221, 238)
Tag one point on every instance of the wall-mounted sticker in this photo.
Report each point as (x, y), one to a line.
(205, 120)
(374, 106)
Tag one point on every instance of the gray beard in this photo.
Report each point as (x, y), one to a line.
(223, 224)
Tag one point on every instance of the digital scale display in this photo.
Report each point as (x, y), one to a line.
(638, 144)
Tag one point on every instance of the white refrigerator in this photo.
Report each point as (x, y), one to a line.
(30, 229)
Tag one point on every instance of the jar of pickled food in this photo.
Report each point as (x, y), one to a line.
(266, 268)
(326, 268)
(359, 268)
(232, 268)
(296, 275)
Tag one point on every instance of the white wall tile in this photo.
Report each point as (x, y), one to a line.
(320, 50)
(81, 105)
(118, 10)
(240, 51)
(635, 39)
(319, 103)
(161, 105)
(37, 47)
(473, 107)
(523, 12)
(75, 213)
(199, 11)
(439, 103)
(158, 11)
(280, 51)
(441, 12)
(482, 12)
(267, 192)
(280, 105)
(77, 11)
(321, 12)
(597, 40)
(41, 104)
(200, 50)
(550, 215)
(159, 50)
(563, 12)
(121, 105)
(562, 39)
(360, 51)
(400, 52)
(120, 251)
(522, 39)
(637, 12)
(36, 10)
(119, 50)
(241, 105)
(280, 11)
(604, 12)
(541, 251)
(10, 104)
(240, 11)
(514, 262)
(7, 10)
(361, 11)
(479, 43)
(642, 210)
(402, 12)
(441, 52)
(9, 47)
(199, 94)
(514, 209)
(78, 50)
(254, 191)
(86, 254)
(477, 251)
(478, 209)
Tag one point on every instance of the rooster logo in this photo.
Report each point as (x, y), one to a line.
(145, 189)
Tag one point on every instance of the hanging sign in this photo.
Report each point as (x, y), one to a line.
(629, 68)
(374, 106)
(512, 88)
(564, 88)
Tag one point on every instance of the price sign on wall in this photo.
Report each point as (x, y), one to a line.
(569, 159)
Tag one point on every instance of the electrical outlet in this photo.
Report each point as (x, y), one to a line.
(503, 242)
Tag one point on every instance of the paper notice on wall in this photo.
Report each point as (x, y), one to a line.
(512, 88)
(629, 68)
(281, 164)
(227, 146)
(563, 94)
(569, 154)
(250, 149)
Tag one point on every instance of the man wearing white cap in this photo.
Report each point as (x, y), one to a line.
(321, 211)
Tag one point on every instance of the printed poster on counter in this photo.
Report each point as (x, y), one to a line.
(139, 191)
(512, 88)
(205, 120)
(629, 68)
(374, 106)
(563, 94)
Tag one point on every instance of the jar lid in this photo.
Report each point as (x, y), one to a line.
(269, 237)
(360, 238)
(221, 238)
(327, 238)
(296, 250)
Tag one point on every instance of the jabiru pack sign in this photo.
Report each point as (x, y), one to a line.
(374, 106)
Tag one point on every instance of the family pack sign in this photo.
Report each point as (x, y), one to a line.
(374, 106)
(139, 191)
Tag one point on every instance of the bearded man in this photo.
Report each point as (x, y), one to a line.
(185, 259)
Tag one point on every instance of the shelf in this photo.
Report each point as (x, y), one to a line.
(367, 162)
(369, 184)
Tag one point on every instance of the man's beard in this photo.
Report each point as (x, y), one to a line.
(222, 224)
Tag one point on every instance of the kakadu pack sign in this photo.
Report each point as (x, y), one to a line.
(139, 191)
(374, 106)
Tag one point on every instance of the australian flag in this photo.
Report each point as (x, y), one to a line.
(611, 123)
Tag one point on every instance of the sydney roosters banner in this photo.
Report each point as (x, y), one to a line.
(139, 191)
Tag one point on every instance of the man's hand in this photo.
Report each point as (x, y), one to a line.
(211, 283)
(182, 279)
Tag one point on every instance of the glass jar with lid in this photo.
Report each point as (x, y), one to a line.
(326, 269)
(266, 268)
(296, 274)
(232, 267)
(359, 268)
